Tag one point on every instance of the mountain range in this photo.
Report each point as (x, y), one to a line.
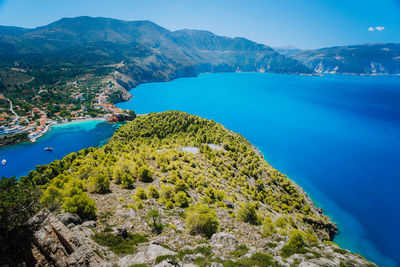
(370, 59)
(148, 51)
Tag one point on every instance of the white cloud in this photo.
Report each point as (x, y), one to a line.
(378, 28)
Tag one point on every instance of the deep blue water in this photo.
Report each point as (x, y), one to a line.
(64, 138)
(337, 136)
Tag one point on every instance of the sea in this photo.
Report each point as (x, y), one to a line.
(337, 136)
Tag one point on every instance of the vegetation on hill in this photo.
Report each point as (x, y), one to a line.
(192, 187)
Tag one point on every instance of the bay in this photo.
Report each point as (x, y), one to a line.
(63, 138)
(337, 136)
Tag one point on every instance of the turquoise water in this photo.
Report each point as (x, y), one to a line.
(337, 136)
(64, 138)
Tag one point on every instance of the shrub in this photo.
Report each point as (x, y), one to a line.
(99, 183)
(268, 228)
(281, 222)
(141, 193)
(166, 192)
(144, 174)
(181, 200)
(118, 244)
(127, 181)
(296, 244)
(169, 204)
(247, 213)
(152, 192)
(181, 186)
(80, 204)
(200, 219)
(240, 251)
(52, 197)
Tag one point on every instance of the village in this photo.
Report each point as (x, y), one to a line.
(85, 106)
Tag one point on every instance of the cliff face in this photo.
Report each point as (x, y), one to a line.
(171, 189)
(371, 59)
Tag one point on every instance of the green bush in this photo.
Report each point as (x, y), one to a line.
(118, 244)
(152, 192)
(181, 200)
(248, 213)
(240, 251)
(127, 181)
(200, 219)
(80, 204)
(141, 193)
(281, 222)
(99, 183)
(268, 228)
(181, 186)
(166, 192)
(52, 197)
(296, 244)
(144, 174)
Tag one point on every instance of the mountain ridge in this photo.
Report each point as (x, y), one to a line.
(369, 59)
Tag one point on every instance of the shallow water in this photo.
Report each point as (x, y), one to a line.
(64, 138)
(337, 136)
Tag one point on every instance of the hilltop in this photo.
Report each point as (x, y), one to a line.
(172, 188)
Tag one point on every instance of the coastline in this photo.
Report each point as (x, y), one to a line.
(48, 128)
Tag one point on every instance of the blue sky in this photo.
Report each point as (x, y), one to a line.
(302, 23)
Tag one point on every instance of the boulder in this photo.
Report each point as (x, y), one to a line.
(224, 238)
(165, 263)
(145, 254)
(68, 218)
(224, 242)
(90, 224)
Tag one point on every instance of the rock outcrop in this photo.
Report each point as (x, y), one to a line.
(54, 244)
(145, 254)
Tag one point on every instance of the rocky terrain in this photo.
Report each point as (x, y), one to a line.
(172, 189)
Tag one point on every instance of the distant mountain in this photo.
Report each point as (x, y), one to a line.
(356, 59)
(287, 50)
(149, 52)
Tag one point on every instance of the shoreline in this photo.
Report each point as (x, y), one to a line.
(48, 128)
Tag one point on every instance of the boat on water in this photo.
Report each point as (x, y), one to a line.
(48, 148)
(3, 162)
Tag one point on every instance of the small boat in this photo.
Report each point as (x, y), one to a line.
(48, 148)
(3, 162)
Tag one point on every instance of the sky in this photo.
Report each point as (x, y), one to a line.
(306, 24)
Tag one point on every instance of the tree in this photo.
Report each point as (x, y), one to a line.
(200, 219)
(155, 218)
(181, 199)
(296, 244)
(145, 174)
(80, 204)
(247, 213)
(18, 203)
(99, 183)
